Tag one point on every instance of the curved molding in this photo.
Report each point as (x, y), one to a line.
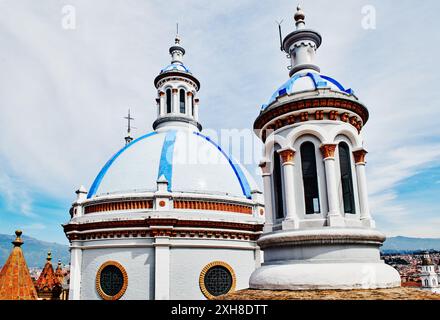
(98, 281)
(270, 143)
(180, 74)
(301, 35)
(321, 237)
(348, 131)
(314, 130)
(168, 118)
(205, 270)
(306, 66)
(329, 105)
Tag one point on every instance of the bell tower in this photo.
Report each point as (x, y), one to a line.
(177, 88)
(319, 233)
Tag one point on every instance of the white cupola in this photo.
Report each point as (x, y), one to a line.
(301, 45)
(319, 233)
(428, 276)
(177, 102)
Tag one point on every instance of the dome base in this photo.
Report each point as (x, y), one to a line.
(329, 258)
(325, 276)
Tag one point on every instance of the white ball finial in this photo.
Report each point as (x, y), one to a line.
(299, 15)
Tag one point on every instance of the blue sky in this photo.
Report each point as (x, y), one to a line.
(63, 93)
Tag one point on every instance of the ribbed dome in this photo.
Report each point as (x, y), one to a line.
(188, 160)
(175, 67)
(307, 82)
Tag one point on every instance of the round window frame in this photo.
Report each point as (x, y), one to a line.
(205, 269)
(121, 292)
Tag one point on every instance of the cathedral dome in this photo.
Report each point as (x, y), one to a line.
(175, 67)
(189, 161)
(310, 81)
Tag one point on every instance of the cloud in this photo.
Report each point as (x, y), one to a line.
(34, 226)
(64, 93)
(17, 199)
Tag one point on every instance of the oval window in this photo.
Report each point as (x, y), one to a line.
(216, 279)
(111, 281)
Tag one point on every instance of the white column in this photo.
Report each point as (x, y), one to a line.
(291, 220)
(162, 103)
(268, 209)
(81, 196)
(162, 268)
(196, 109)
(334, 217)
(359, 157)
(189, 104)
(175, 100)
(75, 271)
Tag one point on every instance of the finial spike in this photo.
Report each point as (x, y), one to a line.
(49, 256)
(18, 242)
(128, 138)
(281, 36)
(299, 17)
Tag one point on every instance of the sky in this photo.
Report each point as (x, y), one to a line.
(66, 84)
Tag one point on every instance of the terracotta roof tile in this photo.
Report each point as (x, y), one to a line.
(15, 279)
(59, 273)
(47, 280)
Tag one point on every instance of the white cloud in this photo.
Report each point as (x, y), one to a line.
(15, 195)
(63, 93)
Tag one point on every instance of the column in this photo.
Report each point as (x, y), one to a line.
(196, 109)
(189, 104)
(75, 271)
(291, 220)
(175, 100)
(334, 217)
(162, 103)
(267, 185)
(162, 269)
(359, 158)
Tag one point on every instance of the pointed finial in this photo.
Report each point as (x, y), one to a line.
(299, 16)
(49, 256)
(177, 39)
(18, 242)
(128, 138)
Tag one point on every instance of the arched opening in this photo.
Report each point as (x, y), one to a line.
(182, 101)
(346, 178)
(310, 178)
(426, 283)
(192, 106)
(168, 100)
(278, 186)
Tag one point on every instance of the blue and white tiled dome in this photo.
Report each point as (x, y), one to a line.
(175, 67)
(307, 82)
(190, 162)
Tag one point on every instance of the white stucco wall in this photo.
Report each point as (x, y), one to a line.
(138, 263)
(187, 264)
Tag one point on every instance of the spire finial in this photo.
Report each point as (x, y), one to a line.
(49, 256)
(18, 242)
(299, 17)
(128, 138)
(301, 56)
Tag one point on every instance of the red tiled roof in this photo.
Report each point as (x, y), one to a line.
(411, 284)
(15, 279)
(47, 280)
(59, 273)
